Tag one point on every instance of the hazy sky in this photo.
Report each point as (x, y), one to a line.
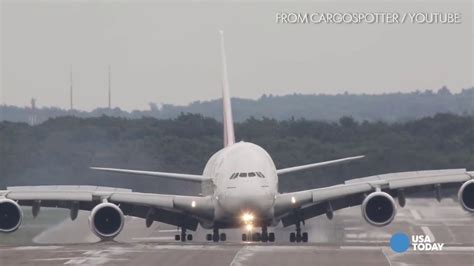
(168, 52)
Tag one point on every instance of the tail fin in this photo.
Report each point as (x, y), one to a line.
(229, 137)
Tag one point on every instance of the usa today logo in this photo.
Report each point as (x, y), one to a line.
(401, 242)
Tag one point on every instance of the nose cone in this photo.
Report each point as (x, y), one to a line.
(240, 201)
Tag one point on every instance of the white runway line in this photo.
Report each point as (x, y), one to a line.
(386, 257)
(428, 232)
(360, 247)
(365, 241)
(415, 214)
(168, 231)
(357, 228)
(241, 256)
(458, 248)
(37, 248)
(157, 238)
(81, 260)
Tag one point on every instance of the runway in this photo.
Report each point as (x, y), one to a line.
(345, 240)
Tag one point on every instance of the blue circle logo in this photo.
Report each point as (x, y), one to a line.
(400, 242)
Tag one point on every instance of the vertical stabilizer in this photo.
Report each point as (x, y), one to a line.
(227, 120)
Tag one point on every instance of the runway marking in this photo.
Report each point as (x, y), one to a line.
(241, 256)
(353, 228)
(458, 248)
(153, 238)
(365, 241)
(415, 214)
(428, 232)
(378, 236)
(168, 231)
(386, 257)
(37, 248)
(82, 260)
(360, 247)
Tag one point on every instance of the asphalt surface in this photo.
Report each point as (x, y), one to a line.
(345, 240)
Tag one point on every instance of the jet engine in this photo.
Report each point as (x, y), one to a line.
(378, 208)
(10, 215)
(466, 195)
(106, 220)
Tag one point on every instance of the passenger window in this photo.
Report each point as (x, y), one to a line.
(243, 175)
(252, 174)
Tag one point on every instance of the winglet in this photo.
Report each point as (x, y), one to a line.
(229, 137)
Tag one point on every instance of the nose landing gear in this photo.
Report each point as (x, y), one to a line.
(264, 236)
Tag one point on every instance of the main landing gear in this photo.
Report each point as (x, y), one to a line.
(265, 236)
(183, 236)
(298, 236)
(215, 236)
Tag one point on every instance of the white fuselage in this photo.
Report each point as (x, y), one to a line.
(244, 180)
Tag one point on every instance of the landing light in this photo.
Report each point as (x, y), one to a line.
(249, 227)
(247, 217)
(293, 200)
(193, 204)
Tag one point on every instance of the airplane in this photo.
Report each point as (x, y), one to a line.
(239, 190)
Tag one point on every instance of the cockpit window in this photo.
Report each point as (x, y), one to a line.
(251, 174)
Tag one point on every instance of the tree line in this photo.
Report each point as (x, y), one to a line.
(389, 107)
(60, 150)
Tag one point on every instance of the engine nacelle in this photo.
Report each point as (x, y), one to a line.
(106, 220)
(466, 195)
(378, 208)
(10, 215)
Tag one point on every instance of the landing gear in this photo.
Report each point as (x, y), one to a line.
(298, 236)
(264, 236)
(183, 236)
(256, 237)
(222, 237)
(215, 236)
(271, 237)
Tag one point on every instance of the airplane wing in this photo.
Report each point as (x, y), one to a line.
(188, 177)
(302, 205)
(182, 211)
(314, 165)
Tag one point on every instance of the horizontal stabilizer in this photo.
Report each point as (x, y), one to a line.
(314, 165)
(188, 177)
